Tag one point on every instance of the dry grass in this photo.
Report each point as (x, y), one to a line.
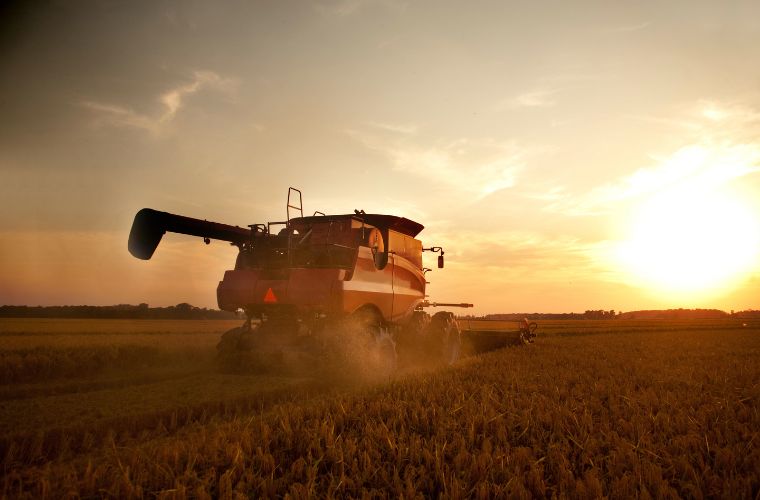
(618, 409)
(39, 350)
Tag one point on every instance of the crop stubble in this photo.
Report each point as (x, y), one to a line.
(614, 408)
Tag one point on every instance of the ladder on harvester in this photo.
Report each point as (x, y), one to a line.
(291, 204)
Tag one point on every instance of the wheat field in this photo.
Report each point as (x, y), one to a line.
(116, 408)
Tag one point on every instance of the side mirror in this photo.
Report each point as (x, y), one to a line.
(440, 261)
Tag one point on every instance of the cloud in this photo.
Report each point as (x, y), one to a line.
(723, 148)
(346, 8)
(468, 166)
(521, 255)
(679, 123)
(629, 28)
(342, 8)
(711, 120)
(401, 128)
(111, 114)
(699, 166)
(541, 98)
(171, 101)
(574, 77)
(553, 193)
(732, 114)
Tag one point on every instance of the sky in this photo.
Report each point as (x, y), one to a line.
(567, 155)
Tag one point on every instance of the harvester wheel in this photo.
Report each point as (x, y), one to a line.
(229, 348)
(381, 348)
(445, 337)
(269, 347)
(358, 348)
(410, 338)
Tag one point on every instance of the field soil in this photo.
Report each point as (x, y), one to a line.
(618, 408)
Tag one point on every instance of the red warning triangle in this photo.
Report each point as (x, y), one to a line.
(270, 297)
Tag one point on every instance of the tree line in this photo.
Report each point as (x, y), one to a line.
(120, 311)
(187, 311)
(643, 314)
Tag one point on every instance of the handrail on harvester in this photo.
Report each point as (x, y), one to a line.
(298, 207)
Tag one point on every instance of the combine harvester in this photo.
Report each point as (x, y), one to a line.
(301, 279)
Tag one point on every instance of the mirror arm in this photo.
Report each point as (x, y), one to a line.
(440, 256)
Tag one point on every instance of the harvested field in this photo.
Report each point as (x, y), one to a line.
(593, 408)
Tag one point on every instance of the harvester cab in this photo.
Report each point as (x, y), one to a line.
(297, 278)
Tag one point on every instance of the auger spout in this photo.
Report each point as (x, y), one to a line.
(150, 226)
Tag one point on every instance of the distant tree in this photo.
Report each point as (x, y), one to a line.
(120, 311)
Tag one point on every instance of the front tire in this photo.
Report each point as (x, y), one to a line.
(228, 350)
(445, 337)
(365, 347)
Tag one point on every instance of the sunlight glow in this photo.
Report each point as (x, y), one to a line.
(696, 238)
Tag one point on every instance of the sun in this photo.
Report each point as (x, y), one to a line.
(691, 240)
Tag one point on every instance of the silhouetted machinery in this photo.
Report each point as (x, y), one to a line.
(301, 279)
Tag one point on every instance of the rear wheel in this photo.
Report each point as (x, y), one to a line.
(269, 346)
(230, 349)
(445, 337)
(385, 349)
(360, 347)
(381, 348)
(410, 343)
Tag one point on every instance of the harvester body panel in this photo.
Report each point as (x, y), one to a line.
(391, 284)
(250, 289)
(408, 288)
